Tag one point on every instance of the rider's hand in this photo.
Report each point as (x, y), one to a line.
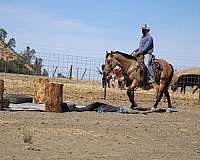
(134, 51)
(135, 54)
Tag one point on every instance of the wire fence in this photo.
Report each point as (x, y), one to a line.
(71, 67)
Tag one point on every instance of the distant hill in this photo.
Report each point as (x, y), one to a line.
(191, 70)
(7, 53)
(12, 62)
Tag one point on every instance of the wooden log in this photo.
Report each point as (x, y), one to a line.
(77, 74)
(54, 95)
(40, 87)
(1, 94)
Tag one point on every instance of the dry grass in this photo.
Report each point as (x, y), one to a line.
(27, 136)
(192, 70)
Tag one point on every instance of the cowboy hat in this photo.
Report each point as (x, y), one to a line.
(146, 27)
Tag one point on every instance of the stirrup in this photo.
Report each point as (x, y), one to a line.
(151, 81)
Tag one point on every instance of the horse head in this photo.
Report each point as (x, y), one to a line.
(110, 63)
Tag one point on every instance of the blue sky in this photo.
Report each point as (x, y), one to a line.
(90, 27)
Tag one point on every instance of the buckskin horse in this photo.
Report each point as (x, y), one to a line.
(136, 74)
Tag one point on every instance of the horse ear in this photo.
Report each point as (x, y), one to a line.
(111, 53)
(107, 54)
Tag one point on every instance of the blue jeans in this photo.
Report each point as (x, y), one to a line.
(147, 62)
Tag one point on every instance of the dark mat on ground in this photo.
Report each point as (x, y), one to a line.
(18, 99)
(102, 107)
(97, 106)
(18, 104)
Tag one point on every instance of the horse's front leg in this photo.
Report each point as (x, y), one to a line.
(130, 93)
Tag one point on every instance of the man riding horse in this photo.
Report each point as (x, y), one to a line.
(161, 72)
(146, 49)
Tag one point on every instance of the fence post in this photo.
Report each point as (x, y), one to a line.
(199, 97)
(55, 71)
(1, 94)
(70, 72)
(83, 74)
(77, 74)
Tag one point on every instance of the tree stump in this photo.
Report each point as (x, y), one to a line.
(54, 97)
(1, 94)
(40, 87)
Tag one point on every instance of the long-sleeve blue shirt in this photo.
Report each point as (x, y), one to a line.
(146, 44)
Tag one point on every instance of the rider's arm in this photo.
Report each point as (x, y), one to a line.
(134, 51)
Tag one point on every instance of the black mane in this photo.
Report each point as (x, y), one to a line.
(124, 54)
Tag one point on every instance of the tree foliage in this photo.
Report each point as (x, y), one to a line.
(13, 67)
(45, 73)
(38, 66)
(59, 75)
(11, 43)
(28, 55)
(3, 34)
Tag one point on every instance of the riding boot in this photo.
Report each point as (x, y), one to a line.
(151, 79)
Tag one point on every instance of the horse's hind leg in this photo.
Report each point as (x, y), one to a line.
(166, 92)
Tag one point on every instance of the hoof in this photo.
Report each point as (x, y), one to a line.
(146, 87)
(168, 110)
(171, 107)
(133, 106)
(153, 108)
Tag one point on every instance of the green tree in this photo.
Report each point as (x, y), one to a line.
(37, 66)
(59, 75)
(11, 43)
(3, 34)
(45, 73)
(28, 55)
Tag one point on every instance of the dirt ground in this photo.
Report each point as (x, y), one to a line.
(109, 136)
(92, 135)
